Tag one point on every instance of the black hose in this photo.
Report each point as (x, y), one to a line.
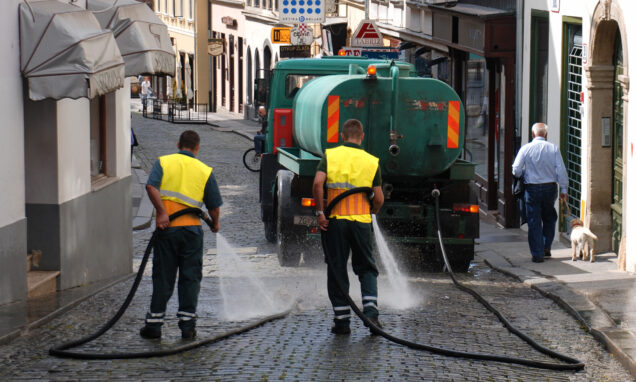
(572, 363)
(62, 350)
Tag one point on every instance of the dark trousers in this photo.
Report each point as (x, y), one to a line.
(541, 216)
(344, 236)
(176, 249)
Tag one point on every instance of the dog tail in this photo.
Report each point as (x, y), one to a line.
(593, 236)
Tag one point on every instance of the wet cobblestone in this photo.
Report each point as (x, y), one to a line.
(300, 346)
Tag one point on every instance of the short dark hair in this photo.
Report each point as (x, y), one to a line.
(189, 140)
(352, 128)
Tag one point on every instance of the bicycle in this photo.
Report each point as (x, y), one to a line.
(252, 160)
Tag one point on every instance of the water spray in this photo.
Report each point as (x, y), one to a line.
(571, 363)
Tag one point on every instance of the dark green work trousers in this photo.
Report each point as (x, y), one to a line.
(176, 249)
(344, 236)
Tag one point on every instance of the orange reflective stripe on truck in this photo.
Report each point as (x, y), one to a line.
(333, 116)
(452, 139)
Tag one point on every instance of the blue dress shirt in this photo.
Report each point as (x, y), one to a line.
(539, 162)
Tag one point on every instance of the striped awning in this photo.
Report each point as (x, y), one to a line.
(65, 53)
(142, 38)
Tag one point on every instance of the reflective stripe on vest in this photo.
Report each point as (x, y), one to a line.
(347, 168)
(183, 184)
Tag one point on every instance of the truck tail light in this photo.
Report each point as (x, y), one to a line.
(283, 128)
(307, 202)
(465, 208)
(372, 72)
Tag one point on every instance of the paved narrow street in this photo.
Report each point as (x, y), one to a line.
(300, 346)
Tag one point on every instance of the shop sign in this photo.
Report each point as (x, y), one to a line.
(301, 35)
(301, 11)
(367, 34)
(370, 52)
(229, 21)
(280, 35)
(295, 51)
(215, 46)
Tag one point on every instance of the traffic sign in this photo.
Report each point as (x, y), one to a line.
(280, 35)
(301, 35)
(367, 34)
(301, 11)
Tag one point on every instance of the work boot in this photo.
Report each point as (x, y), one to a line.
(547, 253)
(188, 334)
(150, 333)
(376, 322)
(340, 329)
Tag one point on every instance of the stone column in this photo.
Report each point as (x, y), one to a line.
(600, 87)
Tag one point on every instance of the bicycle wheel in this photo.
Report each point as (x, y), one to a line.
(252, 160)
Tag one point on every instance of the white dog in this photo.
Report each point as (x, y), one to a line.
(582, 240)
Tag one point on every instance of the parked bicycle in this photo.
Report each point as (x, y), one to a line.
(252, 159)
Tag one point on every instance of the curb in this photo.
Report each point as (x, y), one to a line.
(58, 312)
(221, 129)
(533, 280)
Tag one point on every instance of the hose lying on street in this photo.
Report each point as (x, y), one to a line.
(62, 350)
(571, 363)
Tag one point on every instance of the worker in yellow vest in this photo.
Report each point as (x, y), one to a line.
(179, 181)
(349, 226)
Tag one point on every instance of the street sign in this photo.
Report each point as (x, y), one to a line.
(367, 34)
(301, 35)
(301, 11)
(215, 46)
(280, 35)
(289, 51)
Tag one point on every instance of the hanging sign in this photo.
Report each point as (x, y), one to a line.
(289, 51)
(301, 11)
(367, 34)
(215, 46)
(301, 35)
(280, 35)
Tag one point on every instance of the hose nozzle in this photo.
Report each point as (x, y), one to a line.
(435, 193)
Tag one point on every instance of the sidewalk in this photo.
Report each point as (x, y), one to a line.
(597, 294)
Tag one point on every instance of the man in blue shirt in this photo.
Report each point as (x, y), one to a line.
(541, 165)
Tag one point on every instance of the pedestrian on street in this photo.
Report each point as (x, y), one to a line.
(179, 181)
(146, 90)
(541, 165)
(349, 228)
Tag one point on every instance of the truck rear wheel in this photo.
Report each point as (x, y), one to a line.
(460, 256)
(270, 231)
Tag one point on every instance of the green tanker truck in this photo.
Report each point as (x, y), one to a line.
(414, 125)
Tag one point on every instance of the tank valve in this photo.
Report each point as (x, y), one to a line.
(387, 189)
(394, 150)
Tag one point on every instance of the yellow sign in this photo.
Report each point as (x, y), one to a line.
(280, 35)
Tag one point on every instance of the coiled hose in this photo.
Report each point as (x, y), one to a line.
(571, 363)
(62, 349)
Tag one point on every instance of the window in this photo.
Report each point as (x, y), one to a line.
(294, 82)
(190, 9)
(539, 46)
(174, 7)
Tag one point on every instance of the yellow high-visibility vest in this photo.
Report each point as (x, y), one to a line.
(182, 186)
(347, 168)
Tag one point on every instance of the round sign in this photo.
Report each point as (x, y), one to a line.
(301, 35)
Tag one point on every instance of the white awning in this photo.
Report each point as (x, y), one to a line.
(142, 38)
(64, 53)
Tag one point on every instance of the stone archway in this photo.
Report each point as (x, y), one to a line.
(607, 22)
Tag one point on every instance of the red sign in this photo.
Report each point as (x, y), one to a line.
(367, 34)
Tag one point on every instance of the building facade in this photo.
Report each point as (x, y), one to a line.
(65, 177)
(576, 79)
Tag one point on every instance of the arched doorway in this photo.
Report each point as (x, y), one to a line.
(267, 60)
(248, 70)
(606, 164)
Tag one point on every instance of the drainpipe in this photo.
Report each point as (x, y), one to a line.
(519, 75)
(394, 149)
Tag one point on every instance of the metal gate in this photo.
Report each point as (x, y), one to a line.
(573, 142)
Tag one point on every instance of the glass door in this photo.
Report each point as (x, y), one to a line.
(617, 148)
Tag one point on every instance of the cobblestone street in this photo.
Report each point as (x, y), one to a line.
(300, 347)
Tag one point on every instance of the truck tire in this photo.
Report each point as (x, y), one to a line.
(287, 244)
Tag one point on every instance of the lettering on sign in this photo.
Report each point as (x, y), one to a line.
(229, 21)
(215, 46)
(367, 34)
(289, 51)
(281, 35)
